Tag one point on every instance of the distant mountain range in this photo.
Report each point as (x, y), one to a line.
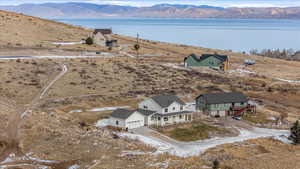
(88, 10)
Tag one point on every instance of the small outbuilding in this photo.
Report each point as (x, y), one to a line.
(215, 61)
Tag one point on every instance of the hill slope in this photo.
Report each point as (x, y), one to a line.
(87, 10)
(54, 131)
(21, 30)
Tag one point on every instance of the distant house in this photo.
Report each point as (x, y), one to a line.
(158, 111)
(207, 60)
(103, 31)
(102, 37)
(223, 104)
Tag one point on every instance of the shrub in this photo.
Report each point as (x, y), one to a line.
(295, 133)
(216, 164)
(89, 41)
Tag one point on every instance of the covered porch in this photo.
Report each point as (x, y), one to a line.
(172, 118)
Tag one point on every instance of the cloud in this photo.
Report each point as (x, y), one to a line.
(223, 3)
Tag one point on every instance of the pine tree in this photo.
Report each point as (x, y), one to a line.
(295, 133)
(216, 164)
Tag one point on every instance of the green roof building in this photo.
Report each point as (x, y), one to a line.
(207, 60)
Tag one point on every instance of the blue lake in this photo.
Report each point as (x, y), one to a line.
(228, 34)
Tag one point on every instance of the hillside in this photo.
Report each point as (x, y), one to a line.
(55, 95)
(86, 10)
(23, 31)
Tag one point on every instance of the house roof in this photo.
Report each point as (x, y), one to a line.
(125, 113)
(103, 31)
(146, 112)
(122, 113)
(219, 98)
(166, 100)
(222, 58)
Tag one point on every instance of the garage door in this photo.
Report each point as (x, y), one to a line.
(135, 124)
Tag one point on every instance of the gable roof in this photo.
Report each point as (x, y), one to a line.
(219, 98)
(125, 113)
(122, 113)
(222, 58)
(146, 112)
(166, 100)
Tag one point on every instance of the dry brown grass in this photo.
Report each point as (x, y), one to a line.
(125, 81)
(256, 154)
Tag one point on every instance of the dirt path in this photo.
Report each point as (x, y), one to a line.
(44, 90)
(11, 143)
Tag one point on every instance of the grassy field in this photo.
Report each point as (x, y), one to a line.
(192, 132)
(258, 118)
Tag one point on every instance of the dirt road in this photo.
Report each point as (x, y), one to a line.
(12, 154)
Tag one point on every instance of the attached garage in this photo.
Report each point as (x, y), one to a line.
(127, 119)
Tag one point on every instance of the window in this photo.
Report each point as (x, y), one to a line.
(180, 116)
(117, 122)
(181, 107)
(145, 107)
(158, 118)
(174, 108)
(166, 110)
(166, 119)
(152, 118)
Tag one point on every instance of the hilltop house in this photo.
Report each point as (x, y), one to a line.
(103, 31)
(102, 37)
(223, 104)
(158, 111)
(207, 60)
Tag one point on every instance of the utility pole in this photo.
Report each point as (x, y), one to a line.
(137, 45)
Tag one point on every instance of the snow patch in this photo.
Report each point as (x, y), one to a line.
(289, 81)
(107, 109)
(39, 160)
(242, 71)
(171, 65)
(284, 139)
(76, 166)
(10, 158)
(68, 43)
(52, 57)
(103, 123)
(75, 111)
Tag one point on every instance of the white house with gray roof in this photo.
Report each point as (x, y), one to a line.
(169, 110)
(158, 110)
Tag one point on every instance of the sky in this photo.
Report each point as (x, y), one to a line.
(222, 3)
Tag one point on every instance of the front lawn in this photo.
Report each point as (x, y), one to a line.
(258, 117)
(193, 132)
